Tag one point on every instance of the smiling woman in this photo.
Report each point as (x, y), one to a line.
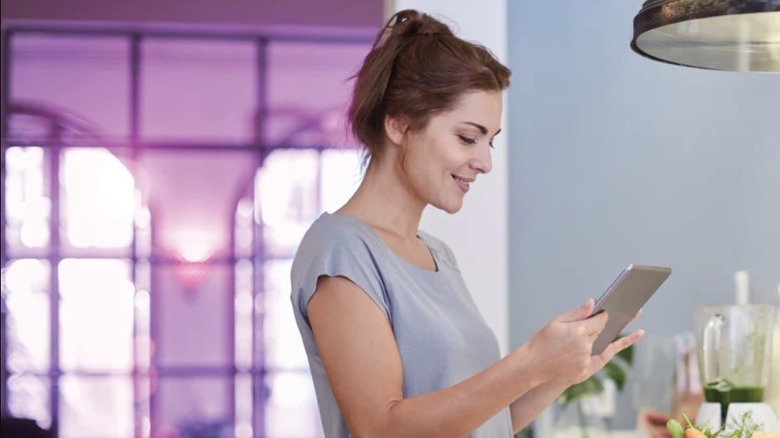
(396, 344)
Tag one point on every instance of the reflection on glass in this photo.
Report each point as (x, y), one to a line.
(96, 407)
(27, 284)
(26, 197)
(99, 199)
(96, 314)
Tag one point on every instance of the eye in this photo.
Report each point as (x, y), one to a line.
(467, 140)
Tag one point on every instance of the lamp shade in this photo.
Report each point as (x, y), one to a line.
(736, 35)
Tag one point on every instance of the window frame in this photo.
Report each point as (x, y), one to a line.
(54, 146)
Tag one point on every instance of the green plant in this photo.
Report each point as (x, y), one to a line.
(615, 370)
(744, 427)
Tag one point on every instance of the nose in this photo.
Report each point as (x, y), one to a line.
(482, 161)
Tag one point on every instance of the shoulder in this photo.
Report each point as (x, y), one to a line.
(333, 232)
(335, 244)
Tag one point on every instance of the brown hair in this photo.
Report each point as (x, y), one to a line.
(417, 68)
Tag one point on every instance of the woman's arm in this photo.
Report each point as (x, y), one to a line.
(364, 368)
(533, 402)
(526, 408)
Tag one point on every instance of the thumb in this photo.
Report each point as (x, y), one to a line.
(579, 313)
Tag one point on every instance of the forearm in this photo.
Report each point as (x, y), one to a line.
(461, 408)
(526, 408)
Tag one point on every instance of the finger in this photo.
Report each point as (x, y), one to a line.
(579, 313)
(595, 324)
(621, 344)
(636, 315)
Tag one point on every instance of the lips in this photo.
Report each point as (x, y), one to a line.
(463, 183)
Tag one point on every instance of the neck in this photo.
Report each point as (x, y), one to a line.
(384, 201)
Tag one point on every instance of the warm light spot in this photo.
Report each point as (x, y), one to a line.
(194, 246)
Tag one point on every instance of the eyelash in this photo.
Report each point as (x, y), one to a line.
(471, 141)
(467, 140)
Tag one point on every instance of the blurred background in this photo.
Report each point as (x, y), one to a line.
(161, 160)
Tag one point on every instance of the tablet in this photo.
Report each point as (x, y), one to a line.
(624, 297)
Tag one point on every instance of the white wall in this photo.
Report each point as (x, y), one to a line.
(617, 159)
(478, 233)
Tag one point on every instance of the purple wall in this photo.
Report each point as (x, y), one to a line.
(328, 13)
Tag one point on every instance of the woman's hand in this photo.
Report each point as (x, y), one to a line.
(561, 350)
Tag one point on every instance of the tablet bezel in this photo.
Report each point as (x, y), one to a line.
(625, 297)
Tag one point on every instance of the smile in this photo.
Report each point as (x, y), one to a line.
(462, 183)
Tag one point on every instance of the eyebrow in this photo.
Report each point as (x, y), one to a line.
(481, 128)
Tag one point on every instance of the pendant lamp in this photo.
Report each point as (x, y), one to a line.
(734, 35)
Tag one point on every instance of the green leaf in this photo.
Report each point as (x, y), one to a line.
(616, 370)
(590, 386)
(617, 373)
(675, 429)
(626, 355)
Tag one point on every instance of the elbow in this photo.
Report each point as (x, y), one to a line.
(390, 423)
(384, 424)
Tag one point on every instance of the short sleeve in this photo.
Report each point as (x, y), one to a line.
(335, 252)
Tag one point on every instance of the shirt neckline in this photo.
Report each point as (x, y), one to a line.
(434, 255)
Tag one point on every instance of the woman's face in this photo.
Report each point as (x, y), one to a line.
(441, 161)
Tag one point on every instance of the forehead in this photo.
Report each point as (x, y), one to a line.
(481, 107)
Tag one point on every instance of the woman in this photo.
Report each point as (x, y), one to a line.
(396, 345)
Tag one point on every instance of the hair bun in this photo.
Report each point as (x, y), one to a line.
(410, 22)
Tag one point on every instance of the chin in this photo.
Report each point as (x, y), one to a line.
(451, 208)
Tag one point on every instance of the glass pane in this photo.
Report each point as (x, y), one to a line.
(83, 80)
(98, 200)
(96, 407)
(243, 242)
(144, 385)
(194, 310)
(198, 90)
(193, 407)
(243, 420)
(286, 194)
(26, 290)
(244, 314)
(284, 347)
(29, 397)
(27, 199)
(308, 90)
(96, 315)
(341, 175)
(292, 406)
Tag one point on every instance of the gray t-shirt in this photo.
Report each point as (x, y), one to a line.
(441, 337)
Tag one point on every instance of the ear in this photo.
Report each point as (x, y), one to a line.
(395, 129)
